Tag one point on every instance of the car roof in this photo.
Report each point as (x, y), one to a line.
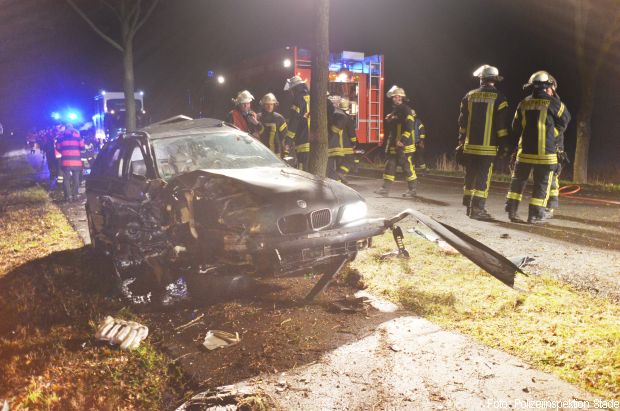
(186, 127)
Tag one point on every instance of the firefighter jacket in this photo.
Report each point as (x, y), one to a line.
(539, 121)
(482, 121)
(70, 146)
(420, 131)
(400, 128)
(349, 140)
(299, 120)
(337, 137)
(272, 131)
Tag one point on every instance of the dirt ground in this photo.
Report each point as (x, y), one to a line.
(312, 356)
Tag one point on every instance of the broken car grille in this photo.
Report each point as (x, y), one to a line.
(320, 218)
(300, 223)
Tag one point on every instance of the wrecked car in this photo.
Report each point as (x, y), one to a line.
(200, 196)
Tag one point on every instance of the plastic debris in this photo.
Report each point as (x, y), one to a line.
(521, 261)
(5, 406)
(127, 334)
(220, 339)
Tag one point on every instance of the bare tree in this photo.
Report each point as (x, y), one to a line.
(318, 91)
(131, 16)
(592, 52)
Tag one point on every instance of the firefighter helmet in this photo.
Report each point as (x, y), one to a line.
(540, 78)
(395, 91)
(343, 104)
(293, 82)
(554, 82)
(487, 72)
(269, 98)
(243, 97)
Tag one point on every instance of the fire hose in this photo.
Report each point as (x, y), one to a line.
(571, 189)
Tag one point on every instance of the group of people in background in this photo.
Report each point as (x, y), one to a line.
(63, 149)
(536, 139)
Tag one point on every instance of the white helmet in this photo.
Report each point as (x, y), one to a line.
(243, 97)
(541, 78)
(395, 91)
(488, 72)
(343, 104)
(293, 82)
(269, 98)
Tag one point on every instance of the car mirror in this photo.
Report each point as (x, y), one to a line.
(290, 160)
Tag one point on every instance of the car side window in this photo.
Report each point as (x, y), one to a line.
(113, 162)
(137, 165)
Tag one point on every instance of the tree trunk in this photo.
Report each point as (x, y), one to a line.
(584, 132)
(318, 91)
(128, 87)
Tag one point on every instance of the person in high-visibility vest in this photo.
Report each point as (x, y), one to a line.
(272, 125)
(299, 119)
(539, 120)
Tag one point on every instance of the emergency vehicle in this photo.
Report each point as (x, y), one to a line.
(109, 117)
(352, 75)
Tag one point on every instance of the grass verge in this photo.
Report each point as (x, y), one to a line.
(550, 325)
(51, 301)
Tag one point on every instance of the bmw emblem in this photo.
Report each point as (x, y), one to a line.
(301, 204)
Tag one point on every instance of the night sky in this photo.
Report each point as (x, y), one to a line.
(50, 59)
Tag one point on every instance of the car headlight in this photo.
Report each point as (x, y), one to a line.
(353, 211)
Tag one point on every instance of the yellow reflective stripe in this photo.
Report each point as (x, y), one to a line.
(485, 193)
(297, 109)
(467, 192)
(303, 148)
(282, 127)
(336, 129)
(514, 196)
(561, 110)
(388, 177)
(410, 117)
(488, 124)
(537, 202)
(554, 193)
(537, 159)
(555, 132)
(469, 116)
(348, 150)
(502, 132)
(345, 169)
(412, 169)
(406, 134)
(290, 134)
(354, 139)
(502, 106)
(542, 132)
(409, 149)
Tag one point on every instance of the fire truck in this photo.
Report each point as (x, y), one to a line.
(109, 117)
(352, 75)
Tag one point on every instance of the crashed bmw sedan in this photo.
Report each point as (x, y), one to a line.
(200, 196)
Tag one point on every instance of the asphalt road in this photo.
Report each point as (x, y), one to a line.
(580, 245)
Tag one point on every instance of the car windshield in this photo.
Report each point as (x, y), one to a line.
(176, 155)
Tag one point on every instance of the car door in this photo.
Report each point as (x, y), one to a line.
(99, 183)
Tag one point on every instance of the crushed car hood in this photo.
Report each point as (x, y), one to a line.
(267, 181)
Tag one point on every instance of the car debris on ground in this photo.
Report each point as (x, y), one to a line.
(220, 339)
(127, 334)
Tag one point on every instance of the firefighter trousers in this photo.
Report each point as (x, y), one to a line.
(405, 161)
(346, 164)
(420, 158)
(478, 172)
(333, 164)
(541, 190)
(554, 194)
(302, 160)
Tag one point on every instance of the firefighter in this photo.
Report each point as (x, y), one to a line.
(70, 145)
(299, 119)
(337, 122)
(349, 142)
(400, 143)
(554, 194)
(482, 132)
(242, 115)
(272, 126)
(539, 120)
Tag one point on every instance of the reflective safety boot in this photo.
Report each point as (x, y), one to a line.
(410, 193)
(514, 217)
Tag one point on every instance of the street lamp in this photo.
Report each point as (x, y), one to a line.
(221, 79)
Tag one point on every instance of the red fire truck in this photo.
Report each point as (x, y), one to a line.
(352, 75)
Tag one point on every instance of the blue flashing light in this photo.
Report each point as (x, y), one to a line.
(103, 92)
(56, 115)
(72, 116)
(210, 73)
